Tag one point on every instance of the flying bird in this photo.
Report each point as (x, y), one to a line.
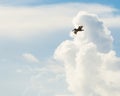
(79, 29)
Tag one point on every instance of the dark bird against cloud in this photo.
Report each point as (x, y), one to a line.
(77, 30)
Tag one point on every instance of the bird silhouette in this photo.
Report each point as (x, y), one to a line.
(79, 29)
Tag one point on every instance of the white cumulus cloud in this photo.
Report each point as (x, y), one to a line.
(91, 65)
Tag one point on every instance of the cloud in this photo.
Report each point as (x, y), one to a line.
(45, 78)
(63, 95)
(102, 34)
(91, 65)
(29, 57)
(25, 22)
(112, 19)
(21, 22)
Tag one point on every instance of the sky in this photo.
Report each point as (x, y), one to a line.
(35, 36)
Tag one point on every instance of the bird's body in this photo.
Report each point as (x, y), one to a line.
(79, 29)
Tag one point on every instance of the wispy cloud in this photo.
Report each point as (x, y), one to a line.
(30, 57)
(44, 79)
(23, 22)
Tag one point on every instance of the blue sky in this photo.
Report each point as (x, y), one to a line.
(114, 3)
(36, 28)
